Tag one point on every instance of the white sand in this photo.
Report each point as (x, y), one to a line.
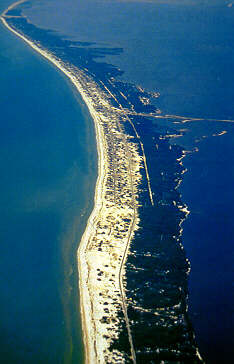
(105, 243)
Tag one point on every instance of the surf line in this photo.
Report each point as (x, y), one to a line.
(96, 345)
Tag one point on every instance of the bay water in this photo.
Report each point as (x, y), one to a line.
(185, 53)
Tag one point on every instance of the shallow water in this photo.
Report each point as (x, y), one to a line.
(187, 55)
(48, 173)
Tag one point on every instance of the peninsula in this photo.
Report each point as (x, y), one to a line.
(122, 188)
(105, 244)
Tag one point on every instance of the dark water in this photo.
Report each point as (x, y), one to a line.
(48, 172)
(208, 239)
(185, 53)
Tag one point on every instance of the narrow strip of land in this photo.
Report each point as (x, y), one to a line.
(105, 244)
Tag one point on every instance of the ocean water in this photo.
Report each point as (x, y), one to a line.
(48, 174)
(185, 52)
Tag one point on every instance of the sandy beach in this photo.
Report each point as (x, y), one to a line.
(98, 189)
(110, 214)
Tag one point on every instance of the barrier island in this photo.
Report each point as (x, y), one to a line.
(132, 267)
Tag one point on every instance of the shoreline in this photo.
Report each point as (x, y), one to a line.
(100, 177)
(110, 228)
(94, 331)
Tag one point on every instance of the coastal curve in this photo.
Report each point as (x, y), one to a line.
(132, 267)
(110, 228)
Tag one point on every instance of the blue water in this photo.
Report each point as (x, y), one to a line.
(208, 240)
(48, 173)
(185, 53)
